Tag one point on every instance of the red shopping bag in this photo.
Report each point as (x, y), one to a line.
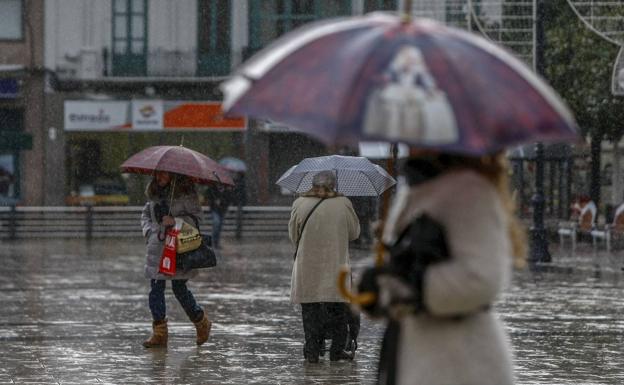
(167, 264)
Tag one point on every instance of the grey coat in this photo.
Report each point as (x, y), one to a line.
(187, 204)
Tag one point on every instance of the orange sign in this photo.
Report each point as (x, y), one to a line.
(203, 115)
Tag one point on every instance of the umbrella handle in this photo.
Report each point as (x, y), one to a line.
(366, 298)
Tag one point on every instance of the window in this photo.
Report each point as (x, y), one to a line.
(268, 19)
(129, 37)
(213, 41)
(12, 18)
(380, 5)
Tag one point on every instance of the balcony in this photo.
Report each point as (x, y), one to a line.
(89, 64)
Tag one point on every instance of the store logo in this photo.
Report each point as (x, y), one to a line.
(100, 117)
(147, 111)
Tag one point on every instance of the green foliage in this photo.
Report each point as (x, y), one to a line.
(579, 66)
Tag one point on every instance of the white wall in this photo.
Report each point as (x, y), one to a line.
(172, 24)
(76, 31)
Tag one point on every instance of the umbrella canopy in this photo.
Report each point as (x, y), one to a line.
(355, 176)
(179, 160)
(233, 164)
(379, 77)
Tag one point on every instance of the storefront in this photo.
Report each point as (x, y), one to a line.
(13, 140)
(100, 135)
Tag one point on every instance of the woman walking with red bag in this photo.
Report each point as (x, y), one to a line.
(158, 213)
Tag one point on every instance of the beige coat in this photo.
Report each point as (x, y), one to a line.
(323, 248)
(474, 350)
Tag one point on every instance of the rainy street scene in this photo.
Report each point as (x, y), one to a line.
(409, 192)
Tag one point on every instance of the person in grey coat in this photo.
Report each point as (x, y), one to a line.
(158, 214)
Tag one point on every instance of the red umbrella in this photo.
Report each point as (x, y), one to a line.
(179, 160)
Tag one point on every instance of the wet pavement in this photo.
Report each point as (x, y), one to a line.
(76, 313)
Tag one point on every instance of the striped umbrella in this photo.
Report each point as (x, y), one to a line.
(355, 175)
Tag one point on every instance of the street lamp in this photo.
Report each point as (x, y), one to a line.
(539, 244)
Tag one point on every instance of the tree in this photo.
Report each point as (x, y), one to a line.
(578, 65)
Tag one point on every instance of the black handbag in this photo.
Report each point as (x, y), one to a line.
(200, 258)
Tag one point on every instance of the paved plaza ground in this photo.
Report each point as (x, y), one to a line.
(75, 312)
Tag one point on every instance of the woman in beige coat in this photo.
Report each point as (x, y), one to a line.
(452, 238)
(322, 249)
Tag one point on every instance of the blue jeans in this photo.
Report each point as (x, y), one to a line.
(183, 295)
(217, 223)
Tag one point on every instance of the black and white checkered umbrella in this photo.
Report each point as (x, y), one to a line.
(355, 175)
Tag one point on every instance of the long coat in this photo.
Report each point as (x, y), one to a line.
(323, 247)
(473, 349)
(186, 204)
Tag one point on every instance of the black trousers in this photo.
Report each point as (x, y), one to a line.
(324, 320)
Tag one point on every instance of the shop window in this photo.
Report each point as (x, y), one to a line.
(269, 19)
(8, 177)
(213, 40)
(11, 27)
(12, 141)
(129, 37)
(380, 5)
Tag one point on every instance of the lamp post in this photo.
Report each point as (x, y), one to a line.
(539, 244)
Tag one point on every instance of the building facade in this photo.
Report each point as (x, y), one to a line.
(133, 73)
(23, 140)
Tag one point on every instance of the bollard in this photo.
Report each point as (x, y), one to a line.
(89, 223)
(13, 223)
(239, 222)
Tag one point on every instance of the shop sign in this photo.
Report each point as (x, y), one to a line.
(147, 115)
(200, 116)
(96, 115)
(9, 88)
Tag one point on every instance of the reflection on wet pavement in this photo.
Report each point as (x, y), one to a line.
(75, 313)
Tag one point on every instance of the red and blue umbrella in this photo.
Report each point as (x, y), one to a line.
(381, 77)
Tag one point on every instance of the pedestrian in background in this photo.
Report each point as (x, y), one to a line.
(158, 213)
(366, 209)
(219, 198)
(322, 223)
(452, 237)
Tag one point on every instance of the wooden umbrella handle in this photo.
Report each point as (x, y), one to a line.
(358, 299)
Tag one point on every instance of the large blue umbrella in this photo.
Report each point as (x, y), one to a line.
(355, 175)
(381, 77)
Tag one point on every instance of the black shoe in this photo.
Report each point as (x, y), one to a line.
(313, 359)
(351, 347)
(310, 357)
(340, 356)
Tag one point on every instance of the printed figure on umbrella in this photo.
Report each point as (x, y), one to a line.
(409, 104)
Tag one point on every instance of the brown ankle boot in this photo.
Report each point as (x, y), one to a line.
(203, 329)
(159, 335)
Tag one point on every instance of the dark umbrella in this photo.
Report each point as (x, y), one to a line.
(180, 160)
(383, 77)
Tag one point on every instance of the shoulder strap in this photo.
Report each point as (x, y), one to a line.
(303, 226)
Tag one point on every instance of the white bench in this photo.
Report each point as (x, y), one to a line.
(586, 223)
(616, 227)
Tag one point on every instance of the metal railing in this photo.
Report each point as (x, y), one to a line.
(124, 221)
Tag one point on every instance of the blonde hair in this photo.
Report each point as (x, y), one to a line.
(495, 169)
